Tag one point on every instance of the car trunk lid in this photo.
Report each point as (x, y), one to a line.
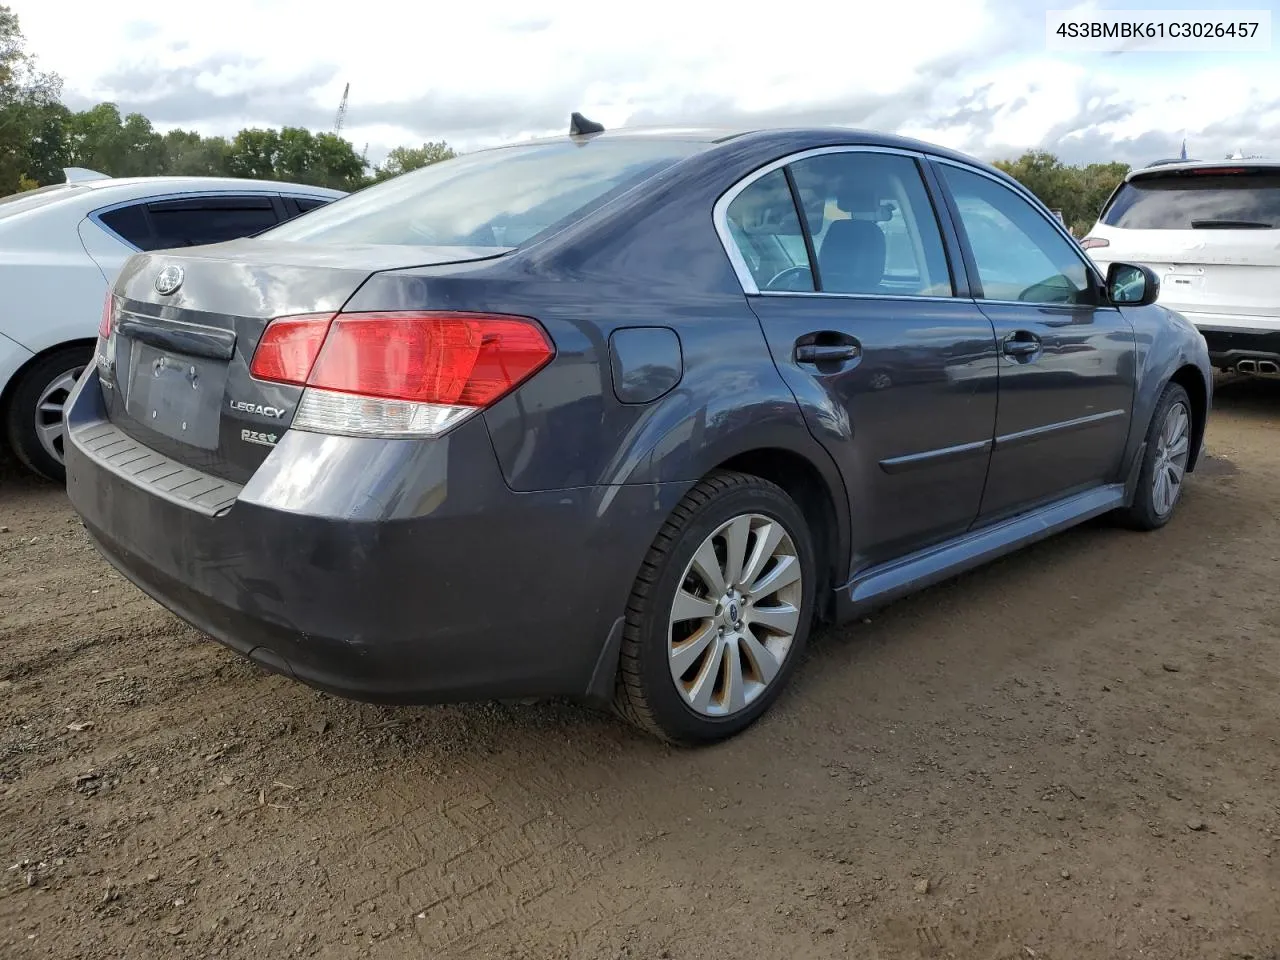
(176, 368)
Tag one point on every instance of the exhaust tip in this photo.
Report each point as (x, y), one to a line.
(1268, 368)
(1247, 366)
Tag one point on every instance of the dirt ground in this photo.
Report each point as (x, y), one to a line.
(1069, 754)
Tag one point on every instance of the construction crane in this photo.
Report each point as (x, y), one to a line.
(342, 112)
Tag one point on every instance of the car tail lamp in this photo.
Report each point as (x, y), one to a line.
(108, 321)
(406, 374)
(1090, 243)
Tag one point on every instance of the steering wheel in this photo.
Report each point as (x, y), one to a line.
(781, 279)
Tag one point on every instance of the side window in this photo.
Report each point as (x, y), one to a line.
(130, 223)
(873, 227)
(766, 230)
(1019, 254)
(309, 203)
(201, 220)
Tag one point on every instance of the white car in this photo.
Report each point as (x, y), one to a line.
(62, 246)
(1211, 232)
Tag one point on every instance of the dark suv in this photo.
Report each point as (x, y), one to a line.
(620, 415)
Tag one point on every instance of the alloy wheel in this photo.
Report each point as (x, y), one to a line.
(735, 616)
(1173, 444)
(50, 425)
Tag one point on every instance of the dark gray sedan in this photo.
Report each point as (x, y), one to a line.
(620, 415)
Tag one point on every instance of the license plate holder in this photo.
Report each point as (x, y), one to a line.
(177, 396)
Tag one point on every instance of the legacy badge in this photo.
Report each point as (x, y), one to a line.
(242, 406)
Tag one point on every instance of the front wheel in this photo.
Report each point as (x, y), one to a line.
(34, 424)
(1164, 462)
(719, 613)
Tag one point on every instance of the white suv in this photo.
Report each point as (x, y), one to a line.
(62, 246)
(1211, 232)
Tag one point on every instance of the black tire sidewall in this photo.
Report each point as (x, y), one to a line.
(20, 413)
(1144, 510)
(673, 715)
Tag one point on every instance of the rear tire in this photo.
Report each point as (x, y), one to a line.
(1164, 462)
(34, 419)
(709, 640)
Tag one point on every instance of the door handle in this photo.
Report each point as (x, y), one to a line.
(825, 352)
(1021, 345)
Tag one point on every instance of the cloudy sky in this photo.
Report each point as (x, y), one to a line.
(971, 74)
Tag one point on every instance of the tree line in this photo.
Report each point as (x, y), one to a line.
(39, 136)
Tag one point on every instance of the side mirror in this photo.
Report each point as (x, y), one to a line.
(1132, 285)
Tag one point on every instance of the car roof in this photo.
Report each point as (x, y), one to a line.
(784, 139)
(191, 184)
(1167, 168)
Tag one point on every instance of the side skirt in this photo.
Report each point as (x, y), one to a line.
(889, 581)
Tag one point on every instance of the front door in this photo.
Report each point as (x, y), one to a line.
(896, 376)
(1067, 360)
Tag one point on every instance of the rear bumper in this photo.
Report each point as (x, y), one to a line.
(1229, 345)
(389, 571)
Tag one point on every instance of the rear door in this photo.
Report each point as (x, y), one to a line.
(1067, 360)
(1210, 233)
(895, 373)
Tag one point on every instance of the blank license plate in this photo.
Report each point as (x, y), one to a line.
(180, 397)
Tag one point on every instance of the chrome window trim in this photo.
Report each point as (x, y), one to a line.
(861, 296)
(720, 217)
(1036, 204)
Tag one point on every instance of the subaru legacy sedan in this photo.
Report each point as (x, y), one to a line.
(620, 415)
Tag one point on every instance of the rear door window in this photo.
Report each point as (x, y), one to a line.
(873, 225)
(309, 203)
(201, 220)
(1224, 199)
(766, 231)
(130, 223)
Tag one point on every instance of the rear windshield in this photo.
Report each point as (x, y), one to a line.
(493, 198)
(17, 203)
(1190, 201)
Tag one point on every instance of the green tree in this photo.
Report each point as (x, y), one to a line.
(297, 155)
(403, 159)
(190, 155)
(31, 140)
(100, 140)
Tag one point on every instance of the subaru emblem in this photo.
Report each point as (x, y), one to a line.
(168, 280)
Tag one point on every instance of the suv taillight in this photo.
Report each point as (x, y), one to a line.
(1090, 242)
(404, 374)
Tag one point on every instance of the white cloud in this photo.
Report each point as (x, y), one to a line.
(969, 73)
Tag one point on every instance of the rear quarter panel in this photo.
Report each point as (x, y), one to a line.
(53, 296)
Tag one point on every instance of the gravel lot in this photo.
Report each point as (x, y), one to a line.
(1069, 754)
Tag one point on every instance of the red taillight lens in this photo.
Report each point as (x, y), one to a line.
(108, 316)
(1090, 243)
(409, 374)
(455, 359)
(288, 348)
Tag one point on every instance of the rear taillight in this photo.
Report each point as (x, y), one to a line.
(1090, 243)
(398, 374)
(288, 348)
(107, 323)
